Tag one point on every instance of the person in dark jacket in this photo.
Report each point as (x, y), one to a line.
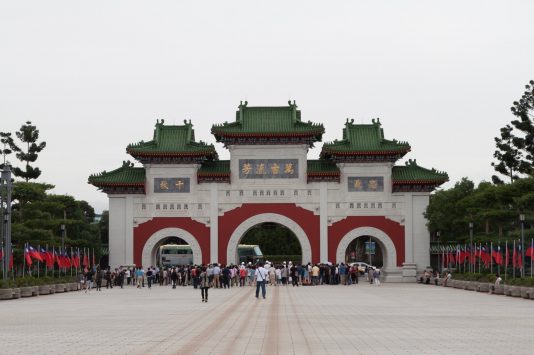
(98, 278)
(174, 277)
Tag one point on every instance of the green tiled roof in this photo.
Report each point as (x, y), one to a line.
(265, 121)
(218, 167)
(365, 139)
(412, 173)
(126, 175)
(172, 140)
(322, 166)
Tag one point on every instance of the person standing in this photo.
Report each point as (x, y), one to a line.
(315, 275)
(376, 277)
(89, 280)
(98, 278)
(261, 276)
(204, 284)
(108, 278)
(149, 277)
(174, 277)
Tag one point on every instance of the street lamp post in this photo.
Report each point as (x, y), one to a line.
(6, 177)
(439, 251)
(522, 219)
(63, 238)
(470, 246)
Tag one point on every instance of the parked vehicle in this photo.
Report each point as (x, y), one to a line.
(361, 266)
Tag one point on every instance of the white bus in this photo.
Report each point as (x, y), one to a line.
(173, 255)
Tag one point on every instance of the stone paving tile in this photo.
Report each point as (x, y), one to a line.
(359, 319)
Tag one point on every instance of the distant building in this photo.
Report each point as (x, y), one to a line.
(354, 190)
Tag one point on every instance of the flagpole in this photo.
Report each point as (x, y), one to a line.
(513, 259)
(491, 257)
(499, 265)
(531, 254)
(24, 261)
(46, 267)
(70, 261)
(38, 262)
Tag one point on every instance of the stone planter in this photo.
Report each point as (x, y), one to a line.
(44, 289)
(52, 289)
(525, 292)
(73, 286)
(483, 287)
(531, 295)
(512, 291)
(6, 293)
(462, 285)
(471, 286)
(59, 288)
(16, 292)
(35, 291)
(499, 290)
(458, 284)
(26, 291)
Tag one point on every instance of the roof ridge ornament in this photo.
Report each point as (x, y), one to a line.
(411, 162)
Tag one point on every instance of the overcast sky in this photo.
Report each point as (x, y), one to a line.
(95, 75)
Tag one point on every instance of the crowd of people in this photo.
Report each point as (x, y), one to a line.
(226, 276)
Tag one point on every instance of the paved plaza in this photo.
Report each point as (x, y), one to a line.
(362, 319)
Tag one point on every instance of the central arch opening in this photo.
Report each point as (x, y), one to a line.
(276, 242)
(172, 251)
(365, 249)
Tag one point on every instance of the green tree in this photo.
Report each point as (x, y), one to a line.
(515, 146)
(524, 111)
(28, 134)
(7, 141)
(509, 157)
(38, 216)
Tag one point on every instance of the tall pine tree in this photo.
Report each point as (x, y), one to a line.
(515, 146)
(28, 134)
(524, 111)
(507, 155)
(7, 141)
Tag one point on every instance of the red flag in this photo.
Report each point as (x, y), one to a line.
(59, 260)
(2, 253)
(506, 256)
(497, 256)
(530, 252)
(85, 260)
(514, 258)
(35, 254)
(27, 256)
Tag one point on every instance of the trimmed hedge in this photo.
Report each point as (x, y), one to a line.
(35, 281)
(526, 281)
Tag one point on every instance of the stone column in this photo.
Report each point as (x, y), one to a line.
(323, 222)
(214, 223)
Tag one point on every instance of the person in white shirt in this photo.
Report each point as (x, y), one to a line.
(498, 281)
(261, 276)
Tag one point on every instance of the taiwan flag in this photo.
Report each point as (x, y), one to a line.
(530, 250)
(35, 254)
(27, 256)
(497, 256)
